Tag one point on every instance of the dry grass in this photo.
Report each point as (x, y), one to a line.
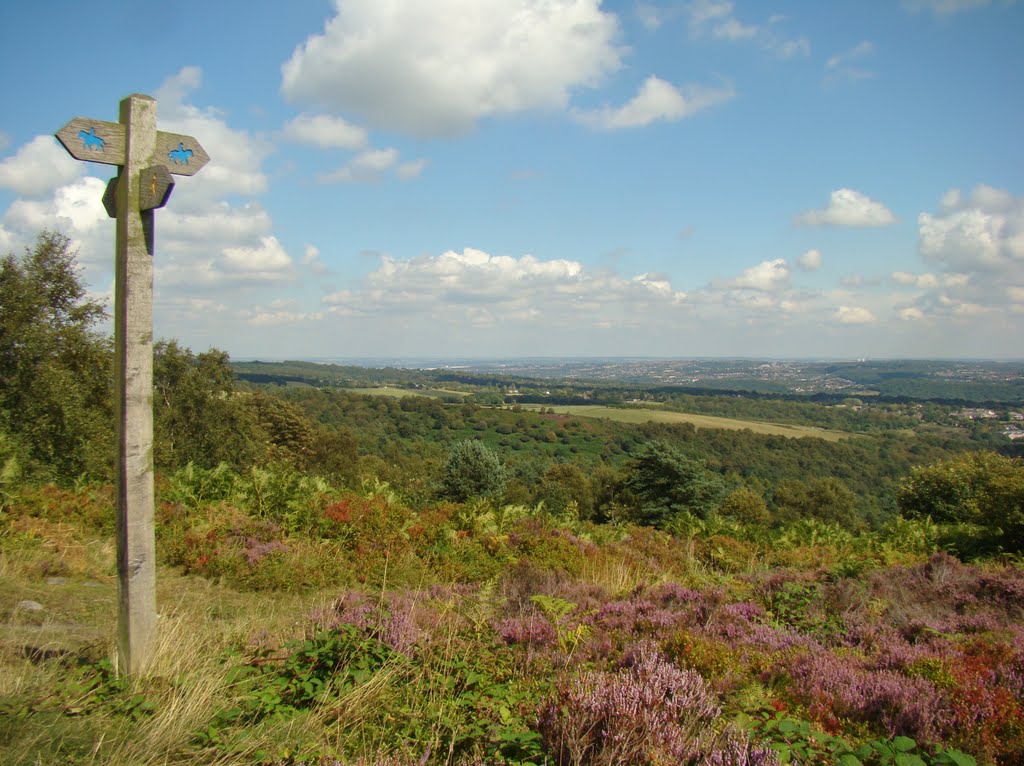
(184, 678)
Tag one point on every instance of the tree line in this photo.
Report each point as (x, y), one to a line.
(56, 425)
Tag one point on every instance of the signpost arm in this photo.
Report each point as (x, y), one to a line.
(133, 343)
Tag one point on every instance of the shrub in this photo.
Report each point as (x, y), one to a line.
(648, 712)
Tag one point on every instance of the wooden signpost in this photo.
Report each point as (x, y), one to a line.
(146, 158)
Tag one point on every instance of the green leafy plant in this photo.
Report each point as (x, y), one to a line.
(558, 612)
(797, 742)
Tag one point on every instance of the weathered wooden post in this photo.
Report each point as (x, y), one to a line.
(146, 157)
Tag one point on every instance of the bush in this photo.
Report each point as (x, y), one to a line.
(472, 470)
(647, 713)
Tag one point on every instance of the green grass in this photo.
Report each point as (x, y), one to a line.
(651, 415)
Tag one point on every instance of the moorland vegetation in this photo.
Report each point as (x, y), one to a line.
(349, 578)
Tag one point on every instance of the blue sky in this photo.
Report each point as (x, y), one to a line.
(564, 178)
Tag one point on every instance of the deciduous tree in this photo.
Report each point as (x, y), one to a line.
(55, 366)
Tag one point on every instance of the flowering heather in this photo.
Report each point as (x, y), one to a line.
(648, 712)
(532, 630)
(673, 594)
(390, 619)
(255, 550)
(839, 687)
(635, 617)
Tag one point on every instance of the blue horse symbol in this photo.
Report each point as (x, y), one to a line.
(181, 155)
(90, 140)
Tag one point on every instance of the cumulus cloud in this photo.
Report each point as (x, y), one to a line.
(656, 100)
(39, 167)
(848, 207)
(312, 261)
(237, 155)
(853, 315)
(204, 239)
(325, 132)
(263, 262)
(432, 69)
(765, 276)
(975, 242)
(984, 231)
(809, 261)
(76, 210)
(482, 289)
(929, 281)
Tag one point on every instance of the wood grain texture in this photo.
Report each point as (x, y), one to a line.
(133, 363)
(112, 135)
(155, 187)
(166, 143)
(190, 154)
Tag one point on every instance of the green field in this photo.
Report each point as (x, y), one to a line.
(651, 415)
(398, 393)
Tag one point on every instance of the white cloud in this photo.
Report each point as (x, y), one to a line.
(376, 160)
(364, 167)
(311, 259)
(236, 156)
(412, 169)
(848, 207)
(929, 281)
(917, 280)
(436, 68)
(651, 16)
(220, 224)
(325, 131)
(853, 315)
(982, 232)
(858, 280)
(656, 100)
(976, 243)
(39, 167)
(765, 276)
(847, 65)
(809, 261)
(266, 258)
(944, 7)
(716, 19)
(76, 210)
(264, 262)
(213, 252)
(732, 30)
(858, 51)
(788, 49)
(475, 287)
(278, 312)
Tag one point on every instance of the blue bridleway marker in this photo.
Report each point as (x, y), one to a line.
(146, 158)
(105, 142)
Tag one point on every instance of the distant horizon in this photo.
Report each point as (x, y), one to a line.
(611, 358)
